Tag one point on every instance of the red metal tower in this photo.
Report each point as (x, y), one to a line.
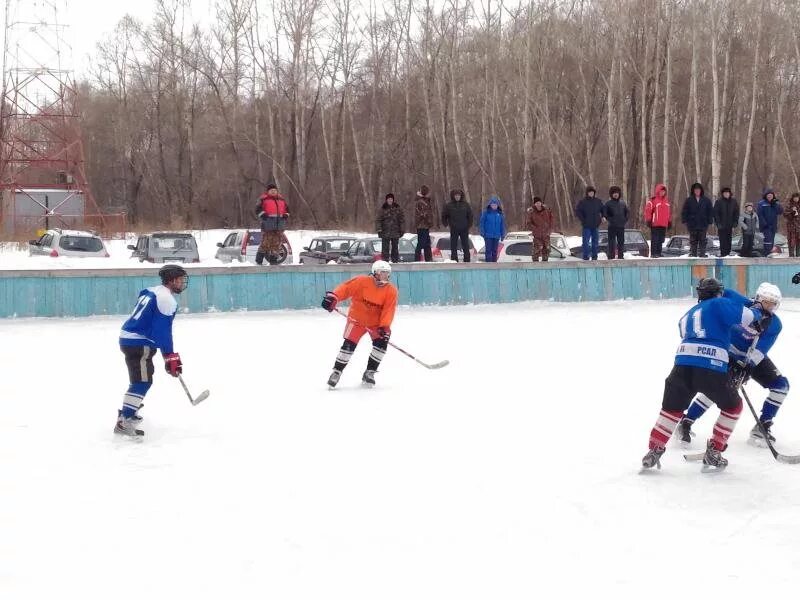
(41, 149)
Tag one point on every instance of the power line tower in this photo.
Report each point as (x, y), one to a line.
(42, 165)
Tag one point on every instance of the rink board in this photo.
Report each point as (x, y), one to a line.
(76, 292)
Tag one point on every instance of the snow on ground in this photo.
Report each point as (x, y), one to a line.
(513, 473)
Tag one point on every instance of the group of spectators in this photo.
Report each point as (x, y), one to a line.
(698, 214)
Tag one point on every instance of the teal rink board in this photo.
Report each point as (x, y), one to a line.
(78, 292)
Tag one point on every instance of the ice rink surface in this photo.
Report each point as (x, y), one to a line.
(513, 473)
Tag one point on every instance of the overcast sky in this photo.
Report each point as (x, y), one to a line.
(91, 20)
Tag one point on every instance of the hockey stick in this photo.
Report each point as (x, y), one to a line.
(195, 401)
(437, 365)
(784, 458)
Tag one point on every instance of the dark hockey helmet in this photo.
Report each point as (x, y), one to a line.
(171, 272)
(708, 287)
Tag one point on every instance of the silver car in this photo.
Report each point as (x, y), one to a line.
(165, 247)
(516, 247)
(65, 242)
(242, 245)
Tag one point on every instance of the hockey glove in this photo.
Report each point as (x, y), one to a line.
(173, 364)
(740, 372)
(762, 324)
(796, 278)
(385, 333)
(330, 301)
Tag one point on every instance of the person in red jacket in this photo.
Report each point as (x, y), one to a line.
(658, 215)
(373, 302)
(273, 211)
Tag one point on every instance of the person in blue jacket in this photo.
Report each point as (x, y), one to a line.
(748, 359)
(769, 209)
(493, 227)
(148, 329)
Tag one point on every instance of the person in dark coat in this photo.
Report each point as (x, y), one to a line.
(390, 225)
(697, 214)
(590, 213)
(616, 213)
(423, 220)
(540, 222)
(769, 209)
(457, 216)
(726, 217)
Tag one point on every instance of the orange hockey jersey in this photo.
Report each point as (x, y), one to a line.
(372, 305)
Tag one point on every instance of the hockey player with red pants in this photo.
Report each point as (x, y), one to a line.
(701, 366)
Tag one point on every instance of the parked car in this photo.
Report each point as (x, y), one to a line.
(367, 250)
(517, 248)
(242, 246)
(678, 245)
(635, 243)
(440, 247)
(323, 249)
(163, 247)
(65, 242)
(781, 245)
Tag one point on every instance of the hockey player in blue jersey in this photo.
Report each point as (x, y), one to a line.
(750, 361)
(149, 328)
(701, 366)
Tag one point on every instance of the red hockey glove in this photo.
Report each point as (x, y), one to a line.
(173, 364)
(385, 333)
(329, 301)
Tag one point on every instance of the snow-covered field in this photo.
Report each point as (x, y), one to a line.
(513, 473)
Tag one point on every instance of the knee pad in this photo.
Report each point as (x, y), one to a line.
(349, 346)
(781, 384)
(380, 344)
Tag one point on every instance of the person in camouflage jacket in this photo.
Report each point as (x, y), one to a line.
(390, 225)
(423, 220)
(540, 222)
(792, 215)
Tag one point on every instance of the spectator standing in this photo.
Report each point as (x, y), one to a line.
(726, 217)
(748, 222)
(697, 214)
(769, 209)
(423, 221)
(390, 225)
(616, 214)
(273, 211)
(493, 227)
(540, 221)
(457, 216)
(792, 215)
(658, 216)
(589, 211)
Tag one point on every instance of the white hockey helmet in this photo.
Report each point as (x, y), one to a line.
(769, 292)
(379, 267)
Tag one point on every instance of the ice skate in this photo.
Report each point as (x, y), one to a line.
(757, 436)
(127, 427)
(713, 459)
(334, 378)
(653, 458)
(368, 379)
(137, 418)
(684, 433)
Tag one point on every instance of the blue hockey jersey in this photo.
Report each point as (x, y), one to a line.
(742, 338)
(150, 324)
(706, 331)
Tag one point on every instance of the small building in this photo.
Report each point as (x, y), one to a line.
(29, 210)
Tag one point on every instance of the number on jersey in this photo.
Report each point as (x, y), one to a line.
(140, 306)
(696, 326)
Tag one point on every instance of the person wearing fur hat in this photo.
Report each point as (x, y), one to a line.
(616, 213)
(390, 225)
(540, 222)
(726, 217)
(697, 214)
(768, 210)
(792, 215)
(590, 213)
(457, 216)
(423, 219)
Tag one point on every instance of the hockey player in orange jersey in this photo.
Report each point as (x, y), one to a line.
(374, 300)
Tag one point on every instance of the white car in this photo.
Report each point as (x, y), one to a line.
(65, 242)
(242, 245)
(517, 246)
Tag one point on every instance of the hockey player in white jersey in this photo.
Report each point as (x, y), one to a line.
(149, 328)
